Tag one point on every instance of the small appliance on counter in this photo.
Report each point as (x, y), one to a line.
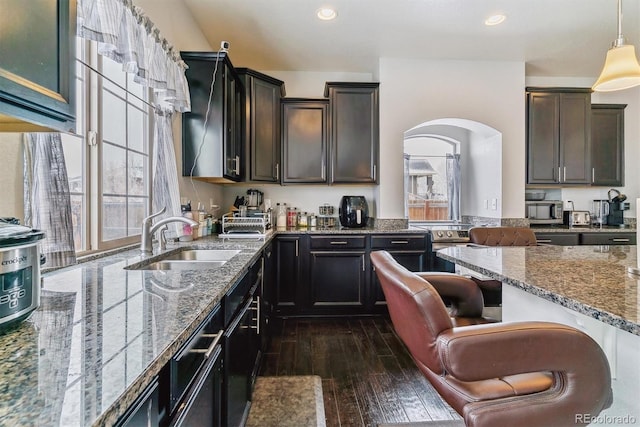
(577, 218)
(600, 212)
(19, 273)
(616, 207)
(254, 199)
(353, 211)
(543, 212)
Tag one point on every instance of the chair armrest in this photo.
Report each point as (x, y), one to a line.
(464, 294)
(496, 350)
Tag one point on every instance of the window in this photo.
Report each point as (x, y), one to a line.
(108, 161)
(428, 179)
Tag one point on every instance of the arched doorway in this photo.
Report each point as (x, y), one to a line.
(452, 169)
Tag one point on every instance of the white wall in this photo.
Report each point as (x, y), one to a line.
(484, 183)
(415, 91)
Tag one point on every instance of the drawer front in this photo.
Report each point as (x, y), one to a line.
(338, 242)
(608, 238)
(399, 242)
(562, 239)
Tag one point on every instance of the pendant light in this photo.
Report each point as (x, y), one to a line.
(621, 69)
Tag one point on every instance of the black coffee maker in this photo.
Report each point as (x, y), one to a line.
(616, 207)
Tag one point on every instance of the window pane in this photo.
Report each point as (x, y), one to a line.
(137, 174)
(137, 212)
(73, 148)
(114, 170)
(113, 72)
(136, 129)
(114, 217)
(138, 91)
(77, 214)
(114, 119)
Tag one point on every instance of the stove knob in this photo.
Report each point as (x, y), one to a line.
(439, 234)
(449, 234)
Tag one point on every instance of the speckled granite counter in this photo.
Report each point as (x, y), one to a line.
(591, 280)
(102, 331)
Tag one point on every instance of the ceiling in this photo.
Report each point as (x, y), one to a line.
(552, 37)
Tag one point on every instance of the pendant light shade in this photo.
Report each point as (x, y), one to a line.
(621, 69)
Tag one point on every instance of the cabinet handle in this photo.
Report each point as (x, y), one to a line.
(375, 172)
(296, 249)
(543, 240)
(363, 263)
(207, 351)
(564, 176)
(277, 171)
(257, 310)
(593, 175)
(324, 168)
(559, 174)
(237, 165)
(399, 242)
(620, 240)
(339, 243)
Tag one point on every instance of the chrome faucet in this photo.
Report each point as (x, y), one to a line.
(148, 230)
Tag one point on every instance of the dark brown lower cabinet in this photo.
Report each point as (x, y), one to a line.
(287, 293)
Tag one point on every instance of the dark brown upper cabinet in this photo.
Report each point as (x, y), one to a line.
(607, 144)
(213, 153)
(355, 132)
(305, 135)
(261, 125)
(558, 136)
(37, 74)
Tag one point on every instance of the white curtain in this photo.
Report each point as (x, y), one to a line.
(127, 36)
(453, 185)
(47, 202)
(165, 176)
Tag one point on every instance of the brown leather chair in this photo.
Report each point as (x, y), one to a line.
(498, 236)
(501, 374)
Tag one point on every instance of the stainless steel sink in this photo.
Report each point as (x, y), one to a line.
(183, 265)
(200, 255)
(192, 259)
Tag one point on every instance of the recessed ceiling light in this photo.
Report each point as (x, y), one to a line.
(326, 13)
(494, 20)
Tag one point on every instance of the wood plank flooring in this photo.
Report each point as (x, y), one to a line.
(368, 377)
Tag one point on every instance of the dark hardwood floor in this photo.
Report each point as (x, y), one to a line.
(368, 377)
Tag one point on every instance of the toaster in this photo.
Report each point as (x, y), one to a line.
(577, 218)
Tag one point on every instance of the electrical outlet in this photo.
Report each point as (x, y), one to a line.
(494, 204)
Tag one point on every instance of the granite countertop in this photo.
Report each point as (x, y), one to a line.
(102, 331)
(567, 229)
(591, 280)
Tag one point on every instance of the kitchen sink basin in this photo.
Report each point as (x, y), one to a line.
(182, 265)
(203, 255)
(192, 259)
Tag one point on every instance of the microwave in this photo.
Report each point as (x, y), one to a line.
(544, 211)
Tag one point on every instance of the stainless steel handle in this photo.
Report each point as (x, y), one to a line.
(324, 169)
(296, 248)
(237, 169)
(559, 174)
(277, 171)
(564, 176)
(341, 242)
(207, 351)
(375, 172)
(257, 310)
(593, 174)
(544, 240)
(363, 263)
(620, 240)
(399, 242)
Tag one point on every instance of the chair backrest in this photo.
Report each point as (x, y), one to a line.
(502, 236)
(417, 312)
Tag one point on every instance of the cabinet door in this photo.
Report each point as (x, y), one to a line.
(575, 138)
(144, 411)
(304, 141)
(337, 280)
(543, 121)
(37, 75)
(287, 295)
(262, 126)
(355, 132)
(607, 144)
(233, 125)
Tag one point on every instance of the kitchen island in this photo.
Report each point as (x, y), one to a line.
(587, 287)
